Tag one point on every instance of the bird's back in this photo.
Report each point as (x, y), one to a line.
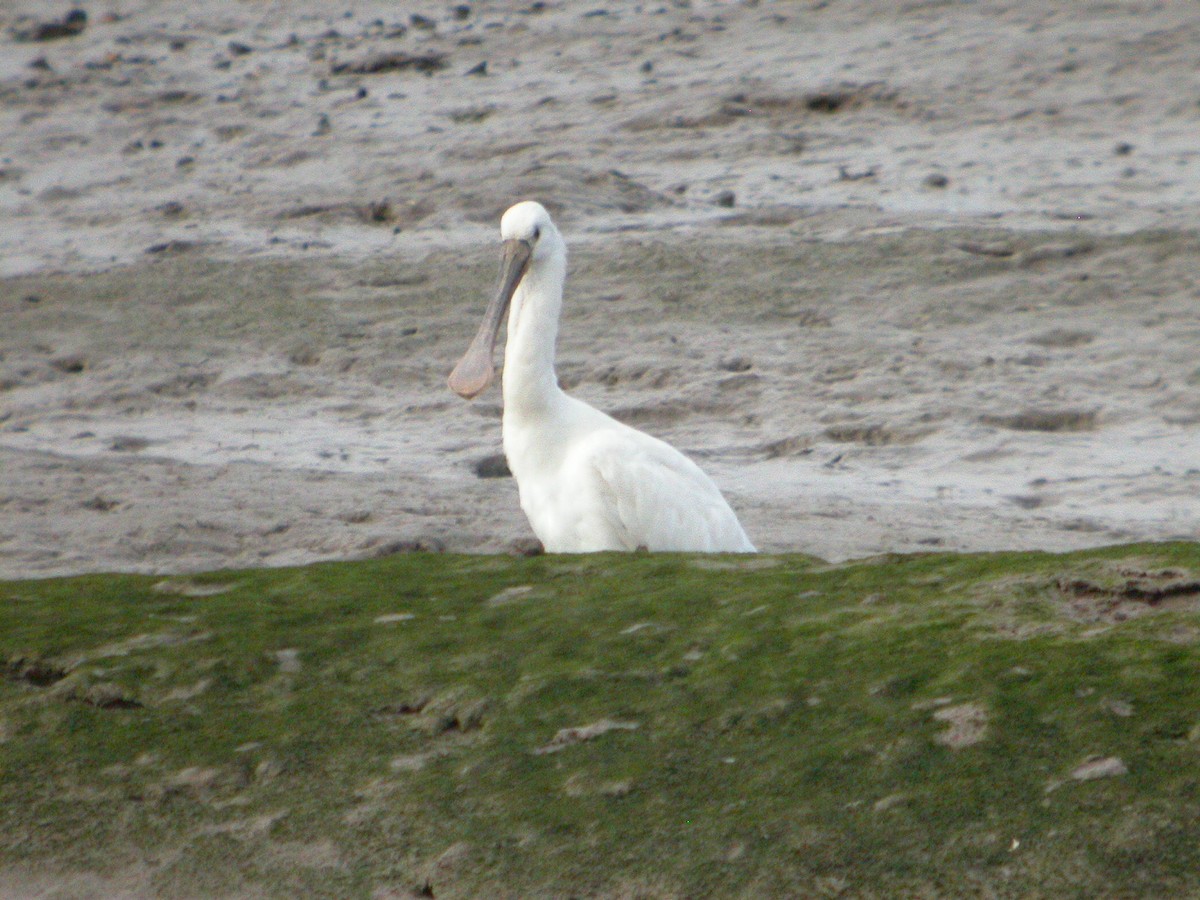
(616, 488)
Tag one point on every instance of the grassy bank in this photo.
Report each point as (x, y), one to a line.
(625, 726)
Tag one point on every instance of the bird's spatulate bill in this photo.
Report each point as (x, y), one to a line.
(475, 370)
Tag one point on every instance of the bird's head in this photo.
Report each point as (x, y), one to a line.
(528, 236)
(529, 223)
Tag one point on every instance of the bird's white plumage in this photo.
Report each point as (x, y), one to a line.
(587, 482)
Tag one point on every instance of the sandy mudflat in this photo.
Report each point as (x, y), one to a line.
(901, 276)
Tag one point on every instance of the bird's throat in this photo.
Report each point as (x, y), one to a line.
(529, 380)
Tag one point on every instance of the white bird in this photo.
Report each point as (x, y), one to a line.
(587, 482)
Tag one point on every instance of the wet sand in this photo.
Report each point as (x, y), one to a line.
(900, 277)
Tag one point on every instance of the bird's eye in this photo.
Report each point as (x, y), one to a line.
(537, 232)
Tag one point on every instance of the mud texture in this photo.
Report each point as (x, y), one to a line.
(899, 276)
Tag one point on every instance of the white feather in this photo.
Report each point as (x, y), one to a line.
(587, 482)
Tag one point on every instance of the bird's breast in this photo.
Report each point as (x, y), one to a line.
(555, 497)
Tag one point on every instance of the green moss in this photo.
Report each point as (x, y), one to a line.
(905, 726)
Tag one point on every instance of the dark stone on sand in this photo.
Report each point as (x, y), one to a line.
(1123, 149)
(423, 22)
(237, 48)
(726, 199)
(844, 174)
(72, 364)
(936, 180)
(170, 247)
(1027, 501)
(72, 24)
(480, 69)
(377, 212)
(179, 96)
(427, 63)
(735, 364)
(462, 11)
(827, 101)
(526, 547)
(493, 466)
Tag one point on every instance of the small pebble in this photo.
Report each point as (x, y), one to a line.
(494, 466)
(735, 364)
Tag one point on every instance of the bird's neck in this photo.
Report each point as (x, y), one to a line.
(530, 383)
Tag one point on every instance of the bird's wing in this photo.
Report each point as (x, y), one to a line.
(651, 495)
